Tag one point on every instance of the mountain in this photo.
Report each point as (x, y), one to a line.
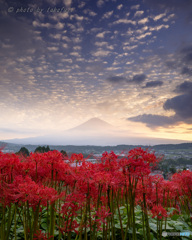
(92, 125)
(93, 132)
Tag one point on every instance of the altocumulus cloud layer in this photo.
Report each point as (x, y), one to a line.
(65, 61)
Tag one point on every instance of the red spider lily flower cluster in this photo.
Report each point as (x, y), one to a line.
(85, 196)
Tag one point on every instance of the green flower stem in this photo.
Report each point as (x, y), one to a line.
(97, 207)
(143, 222)
(35, 220)
(145, 213)
(122, 233)
(52, 220)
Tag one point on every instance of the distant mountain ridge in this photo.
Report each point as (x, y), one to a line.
(94, 149)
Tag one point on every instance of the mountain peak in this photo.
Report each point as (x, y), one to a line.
(93, 124)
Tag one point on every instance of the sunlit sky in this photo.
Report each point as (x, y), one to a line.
(63, 62)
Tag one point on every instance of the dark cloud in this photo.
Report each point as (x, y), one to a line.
(181, 105)
(188, 57)
(116, 79)
(154, 120)
(182, 60)
(185, 87)
(171, 64)
(153, 84)
(186, 71)
(186, 53)
(186, 49)
(138, 78)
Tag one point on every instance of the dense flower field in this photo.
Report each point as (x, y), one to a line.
(45, 196)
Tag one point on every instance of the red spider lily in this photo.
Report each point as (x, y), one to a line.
(76, 158)
(89, 190)
(10, 166)
(145, 155)
(102, 214)
(73, 203)
(184, 182)
(138, 163)
(46, 166)
(26, 190)
(39, 235)
(69, 226)
(158, 211)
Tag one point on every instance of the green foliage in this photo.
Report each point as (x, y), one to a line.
(64, 153)
(42, 149)
(24, 151)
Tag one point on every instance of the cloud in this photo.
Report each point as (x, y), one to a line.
(100, 3)
(144, 35)
(119, 6)
(182, 60)
(52, 48)
(157, 28)
(169, 17)
(67, 3)
(143, 21)
(156, 18)
(38, 24)
(125, 21)
(185, 87)
(183, 6)
(171, 4)
(53, 2)
(135, 7)
(107, 14)
(96, 67)
(78, 18)
(138, 14)
(186, 71)
(101, 44)
(101, 35)
(128, 48)
(181, 105)
(138, 78)
(153, 84)
(90, 12)
(154, 120)
(116, 79)
(75, 54)
(101, 53)
(81, 5)
(186, 55)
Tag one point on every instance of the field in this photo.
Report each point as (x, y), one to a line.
(50, 196)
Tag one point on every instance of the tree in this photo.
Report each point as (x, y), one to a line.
(42, 149)
(64, 153)
(172, 169)
(24, 151)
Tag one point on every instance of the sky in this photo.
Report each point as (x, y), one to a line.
(63, 62)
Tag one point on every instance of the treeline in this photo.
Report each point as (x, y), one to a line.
(40, 149)
(169, 165)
